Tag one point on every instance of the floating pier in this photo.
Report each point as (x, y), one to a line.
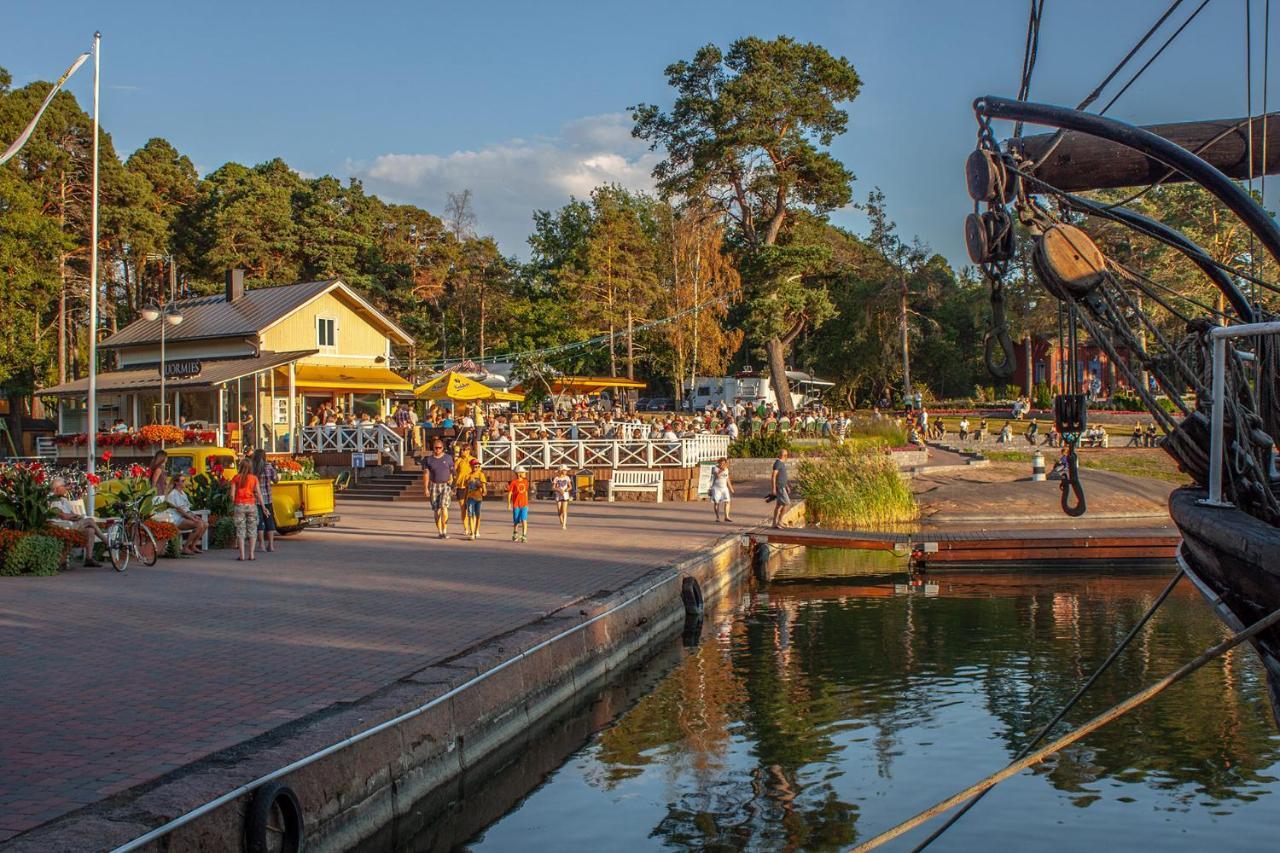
(971, 549)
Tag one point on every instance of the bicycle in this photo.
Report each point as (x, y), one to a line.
(130, 537)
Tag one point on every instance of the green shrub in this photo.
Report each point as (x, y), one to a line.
(222, 533)
(856, 490)
(885, 428)
(33, 555)
(765, 446)
(1042, 396)
(211, 493)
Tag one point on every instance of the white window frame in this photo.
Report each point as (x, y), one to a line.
(332, 346)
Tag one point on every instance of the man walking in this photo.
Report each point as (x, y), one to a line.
(440, 486)
(778, 487)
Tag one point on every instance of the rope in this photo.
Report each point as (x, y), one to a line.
(1052, 724)
(1029, 53)
(1110, 715)
(1153, 58)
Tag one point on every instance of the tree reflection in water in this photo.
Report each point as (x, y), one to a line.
(822, 712)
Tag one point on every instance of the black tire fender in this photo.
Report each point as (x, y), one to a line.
(691, 594)
(259, 824)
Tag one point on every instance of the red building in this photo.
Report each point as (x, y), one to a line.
(1047, 362)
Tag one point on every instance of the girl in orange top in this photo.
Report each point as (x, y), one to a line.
(246, 495)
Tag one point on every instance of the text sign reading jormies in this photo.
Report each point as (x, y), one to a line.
(183, 368)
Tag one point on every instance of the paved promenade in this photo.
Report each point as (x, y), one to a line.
(113, 680)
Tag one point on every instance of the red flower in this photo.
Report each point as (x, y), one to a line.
(191, 471)
(136, 470)
(93, 479)
(106, 456)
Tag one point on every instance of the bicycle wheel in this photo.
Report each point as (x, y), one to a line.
(145, 544)
(118, 547)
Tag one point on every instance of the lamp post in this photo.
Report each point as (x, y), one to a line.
(169, 316)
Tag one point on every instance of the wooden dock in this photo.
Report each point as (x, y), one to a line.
(994, 548)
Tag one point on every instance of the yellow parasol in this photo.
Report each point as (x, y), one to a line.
(455, 386)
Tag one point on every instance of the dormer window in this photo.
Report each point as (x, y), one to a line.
(327, 333)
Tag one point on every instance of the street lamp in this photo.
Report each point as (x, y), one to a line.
(172, 317)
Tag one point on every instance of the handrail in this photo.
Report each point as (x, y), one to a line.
(1219, 336)
(374, 438)
(603, 452)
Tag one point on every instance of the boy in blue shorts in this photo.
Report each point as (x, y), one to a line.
(518, 502)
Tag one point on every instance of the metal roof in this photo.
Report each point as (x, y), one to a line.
(148, 378)
(213, 317)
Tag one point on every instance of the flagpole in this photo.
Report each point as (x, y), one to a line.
(92, 426)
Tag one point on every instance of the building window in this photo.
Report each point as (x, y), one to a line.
(326, 332)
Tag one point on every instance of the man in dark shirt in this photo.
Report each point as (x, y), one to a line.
(778, 485)
(439, 467)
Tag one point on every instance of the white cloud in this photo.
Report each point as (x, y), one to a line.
(510, 180)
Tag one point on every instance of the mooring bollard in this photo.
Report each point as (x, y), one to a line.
(1037, 467)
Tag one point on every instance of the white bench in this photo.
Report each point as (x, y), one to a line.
(636, 481)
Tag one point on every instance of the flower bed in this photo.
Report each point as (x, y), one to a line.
(151, 435)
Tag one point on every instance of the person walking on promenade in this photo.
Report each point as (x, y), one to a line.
(562, 487)
(246, 497)
(778, 487)
(440, 485)
(462, 465)
(266, 474)
(1136, 439)
(476, 486)
(518, 503)
(721, 490)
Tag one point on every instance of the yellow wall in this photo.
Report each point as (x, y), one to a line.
(358, 340)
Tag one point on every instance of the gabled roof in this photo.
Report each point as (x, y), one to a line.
(215, 372)
(206, 317)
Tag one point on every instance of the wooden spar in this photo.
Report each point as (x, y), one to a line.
(1082, 162)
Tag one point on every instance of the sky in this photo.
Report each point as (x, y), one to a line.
(526, 103)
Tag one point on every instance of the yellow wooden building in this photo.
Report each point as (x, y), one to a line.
(266, 357)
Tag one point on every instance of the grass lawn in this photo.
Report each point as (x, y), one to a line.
(1152, 463)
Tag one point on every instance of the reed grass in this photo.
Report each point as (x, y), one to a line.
(856, 490)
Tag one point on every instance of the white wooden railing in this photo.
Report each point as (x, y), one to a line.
(375, 438)
(574, 430)
(603, 453)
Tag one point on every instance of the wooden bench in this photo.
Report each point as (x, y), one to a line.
(636, 481)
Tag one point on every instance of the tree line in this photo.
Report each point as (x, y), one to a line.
(732, 260)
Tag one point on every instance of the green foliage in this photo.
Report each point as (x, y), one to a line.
(766, 446)
(886, 430)
(33, 555)
(135, 498)
(213, 493)
(24, 498)
(222, 532)
(850, 489)
(1042, 396)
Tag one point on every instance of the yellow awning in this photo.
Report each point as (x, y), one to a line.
(590, 384)
(455, 386)
(341, 377)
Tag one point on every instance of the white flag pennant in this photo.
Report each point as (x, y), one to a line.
(30, 128)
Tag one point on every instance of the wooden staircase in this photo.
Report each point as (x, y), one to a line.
(403, 485)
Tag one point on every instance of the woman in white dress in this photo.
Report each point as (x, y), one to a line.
(721, 490)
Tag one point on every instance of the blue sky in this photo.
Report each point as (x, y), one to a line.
(525, 102)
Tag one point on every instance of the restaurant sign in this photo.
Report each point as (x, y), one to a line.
(183, 368)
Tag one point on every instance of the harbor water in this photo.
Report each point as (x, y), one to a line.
(825, 707)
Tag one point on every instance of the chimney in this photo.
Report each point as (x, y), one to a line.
(235, 285)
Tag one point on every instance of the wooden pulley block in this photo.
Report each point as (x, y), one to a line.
(975, 239)
(985, 174)
(1070, 260)
(989, 236)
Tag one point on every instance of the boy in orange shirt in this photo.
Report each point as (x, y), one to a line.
(518, 502)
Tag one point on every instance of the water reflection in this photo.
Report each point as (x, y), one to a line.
(823, 713)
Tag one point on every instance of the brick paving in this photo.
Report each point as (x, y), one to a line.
(111, 680)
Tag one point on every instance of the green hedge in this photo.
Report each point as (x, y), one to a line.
(33, 555)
